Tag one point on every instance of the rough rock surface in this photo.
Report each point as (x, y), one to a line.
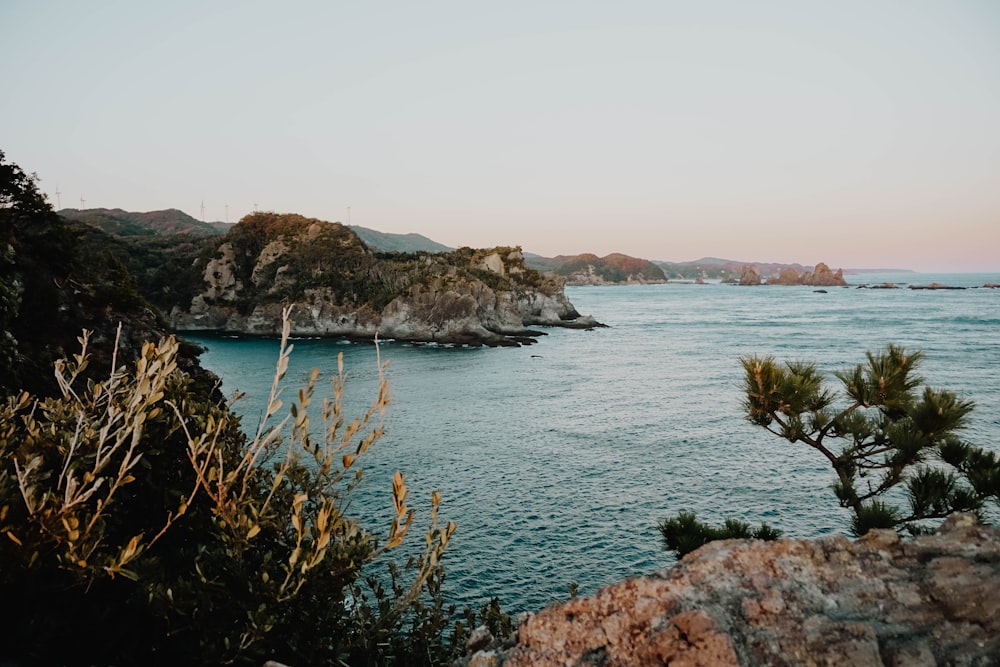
(879, 600)
(749, 276)
(340, 288)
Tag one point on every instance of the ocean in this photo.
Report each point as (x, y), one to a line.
(556, 460)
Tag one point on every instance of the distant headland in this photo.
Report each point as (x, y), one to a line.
(239, 279)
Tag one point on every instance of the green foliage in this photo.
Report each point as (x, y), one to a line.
(20, 198)
(684, 533)
(168, 271)
(36, 256)
(56, 279)
(885, 432)
(138, 525)
(117, 222)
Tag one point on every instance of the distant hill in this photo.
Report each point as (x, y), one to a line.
(589, 269)
(119, 222)
(152, 223)
(715, 268)
(385, 242)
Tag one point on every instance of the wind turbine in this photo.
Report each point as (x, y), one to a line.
(203, 210)
(58, 198)
(83, 203)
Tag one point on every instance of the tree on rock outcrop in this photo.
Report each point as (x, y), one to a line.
(894, 446)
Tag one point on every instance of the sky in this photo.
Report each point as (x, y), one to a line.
(856, 133)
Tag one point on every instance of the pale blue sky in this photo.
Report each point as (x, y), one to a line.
(855, 133)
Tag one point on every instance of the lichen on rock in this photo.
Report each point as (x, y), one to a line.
(879, 600)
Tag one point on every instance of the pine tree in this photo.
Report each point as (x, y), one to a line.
(887, 433)
(895, 448)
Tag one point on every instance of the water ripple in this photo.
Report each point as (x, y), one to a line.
(557, 460)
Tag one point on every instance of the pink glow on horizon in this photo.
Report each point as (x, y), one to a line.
(854, 133)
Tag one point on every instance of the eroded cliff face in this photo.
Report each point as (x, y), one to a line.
(340, 288)
(880, 600)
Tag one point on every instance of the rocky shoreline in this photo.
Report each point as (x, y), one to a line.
(878, 600)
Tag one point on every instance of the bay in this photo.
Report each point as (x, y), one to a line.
(557, 459)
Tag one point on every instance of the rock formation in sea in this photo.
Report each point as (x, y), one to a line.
(876, 601)
(750, 276)
(342, 288)
(820, 276)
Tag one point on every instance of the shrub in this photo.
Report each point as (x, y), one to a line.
(684, 533)
(140, 526)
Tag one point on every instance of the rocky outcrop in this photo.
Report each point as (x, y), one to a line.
(749, 276)
(877, 601)
(820, 276)
(340, 288)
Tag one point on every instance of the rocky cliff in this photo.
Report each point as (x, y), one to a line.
(880, 600)
(342, 288)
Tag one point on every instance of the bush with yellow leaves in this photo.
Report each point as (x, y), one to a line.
(139, 525)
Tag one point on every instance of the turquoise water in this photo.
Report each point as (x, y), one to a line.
(556, 460)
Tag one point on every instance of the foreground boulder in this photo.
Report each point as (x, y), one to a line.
(879, 600)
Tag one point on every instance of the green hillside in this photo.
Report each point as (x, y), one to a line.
(152, 223)
(385, 242)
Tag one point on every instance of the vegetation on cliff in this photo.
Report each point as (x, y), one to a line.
(268, 260)
(140, 525)
(55, 282)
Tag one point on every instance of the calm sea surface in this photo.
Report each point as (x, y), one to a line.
(556, 460)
